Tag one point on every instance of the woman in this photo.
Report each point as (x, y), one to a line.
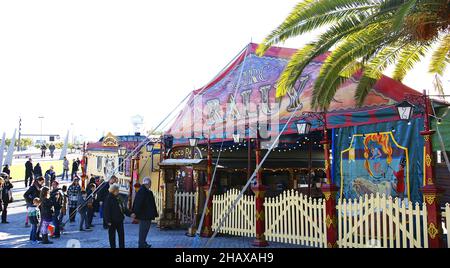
(6, 196)
(114, 214)
(46, 214)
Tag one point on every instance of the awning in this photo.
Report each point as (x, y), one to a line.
(180, 162)
(186, 162)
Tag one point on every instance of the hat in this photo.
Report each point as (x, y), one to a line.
(146, 180)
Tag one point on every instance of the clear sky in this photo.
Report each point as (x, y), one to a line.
(90, 65)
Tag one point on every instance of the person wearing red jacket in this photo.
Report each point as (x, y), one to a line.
(400, 178)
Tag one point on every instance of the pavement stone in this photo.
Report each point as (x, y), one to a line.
(15, 235)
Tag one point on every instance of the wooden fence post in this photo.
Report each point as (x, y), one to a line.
(330, 191)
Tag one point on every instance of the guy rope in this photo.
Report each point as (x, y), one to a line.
(146, 141)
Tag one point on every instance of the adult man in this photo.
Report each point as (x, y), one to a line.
(145, 209)
(28, 172)
(65, 169)
(52, 149)
(57, 198)
(73, 192)
(43, 149)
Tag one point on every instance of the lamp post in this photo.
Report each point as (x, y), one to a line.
(329, 189)
(41, 118)
(207, 223)
(260, 191)
(83, 168)
(431, 192)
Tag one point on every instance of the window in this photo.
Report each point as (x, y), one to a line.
(121, 166)
(99, 163)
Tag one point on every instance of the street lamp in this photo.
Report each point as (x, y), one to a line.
(303, 127)
(122, 151)
(237, 138)
(41, 117)
(405, 110)
(193, 142)
(149, 147)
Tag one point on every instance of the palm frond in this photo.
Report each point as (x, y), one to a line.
(310, 14)
(441, 56)
(402, 12)
(353, 48)
(378, 64)
(364, 87)
(351, 68)
(409, 56)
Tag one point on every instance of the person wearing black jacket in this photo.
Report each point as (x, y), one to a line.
(56, 196)
(28, 173)
(37, 171)
(6, 196)
(33, 192)
(47, 212)
(114, 214)
(145, 209)
(102, 193)
(74, 169)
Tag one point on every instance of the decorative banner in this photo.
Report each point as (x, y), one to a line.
(250, 85)
(383, 158)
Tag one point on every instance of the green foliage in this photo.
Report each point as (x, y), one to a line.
(365, 35)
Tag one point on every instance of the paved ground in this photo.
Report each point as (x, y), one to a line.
(15, 235)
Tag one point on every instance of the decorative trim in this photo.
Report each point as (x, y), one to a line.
(430, 199)
(428, 160)
(432, 230)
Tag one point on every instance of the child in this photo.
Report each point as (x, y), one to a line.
(90, 203)
(46, 214)
(34, 218)
(82, 209)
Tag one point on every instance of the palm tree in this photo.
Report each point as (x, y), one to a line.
(364, 35)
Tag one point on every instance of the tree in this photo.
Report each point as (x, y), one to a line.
(367, 36)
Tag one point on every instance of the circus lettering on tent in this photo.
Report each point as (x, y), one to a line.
(375, 163)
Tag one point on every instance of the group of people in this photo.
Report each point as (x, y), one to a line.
(51, 148)
(48, 205)
(35, 171)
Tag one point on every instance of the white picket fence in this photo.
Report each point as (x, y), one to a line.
(447, 222)
(296, 219)
(241, 220)
(159, 203)
(185, 207)
(379, 221)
